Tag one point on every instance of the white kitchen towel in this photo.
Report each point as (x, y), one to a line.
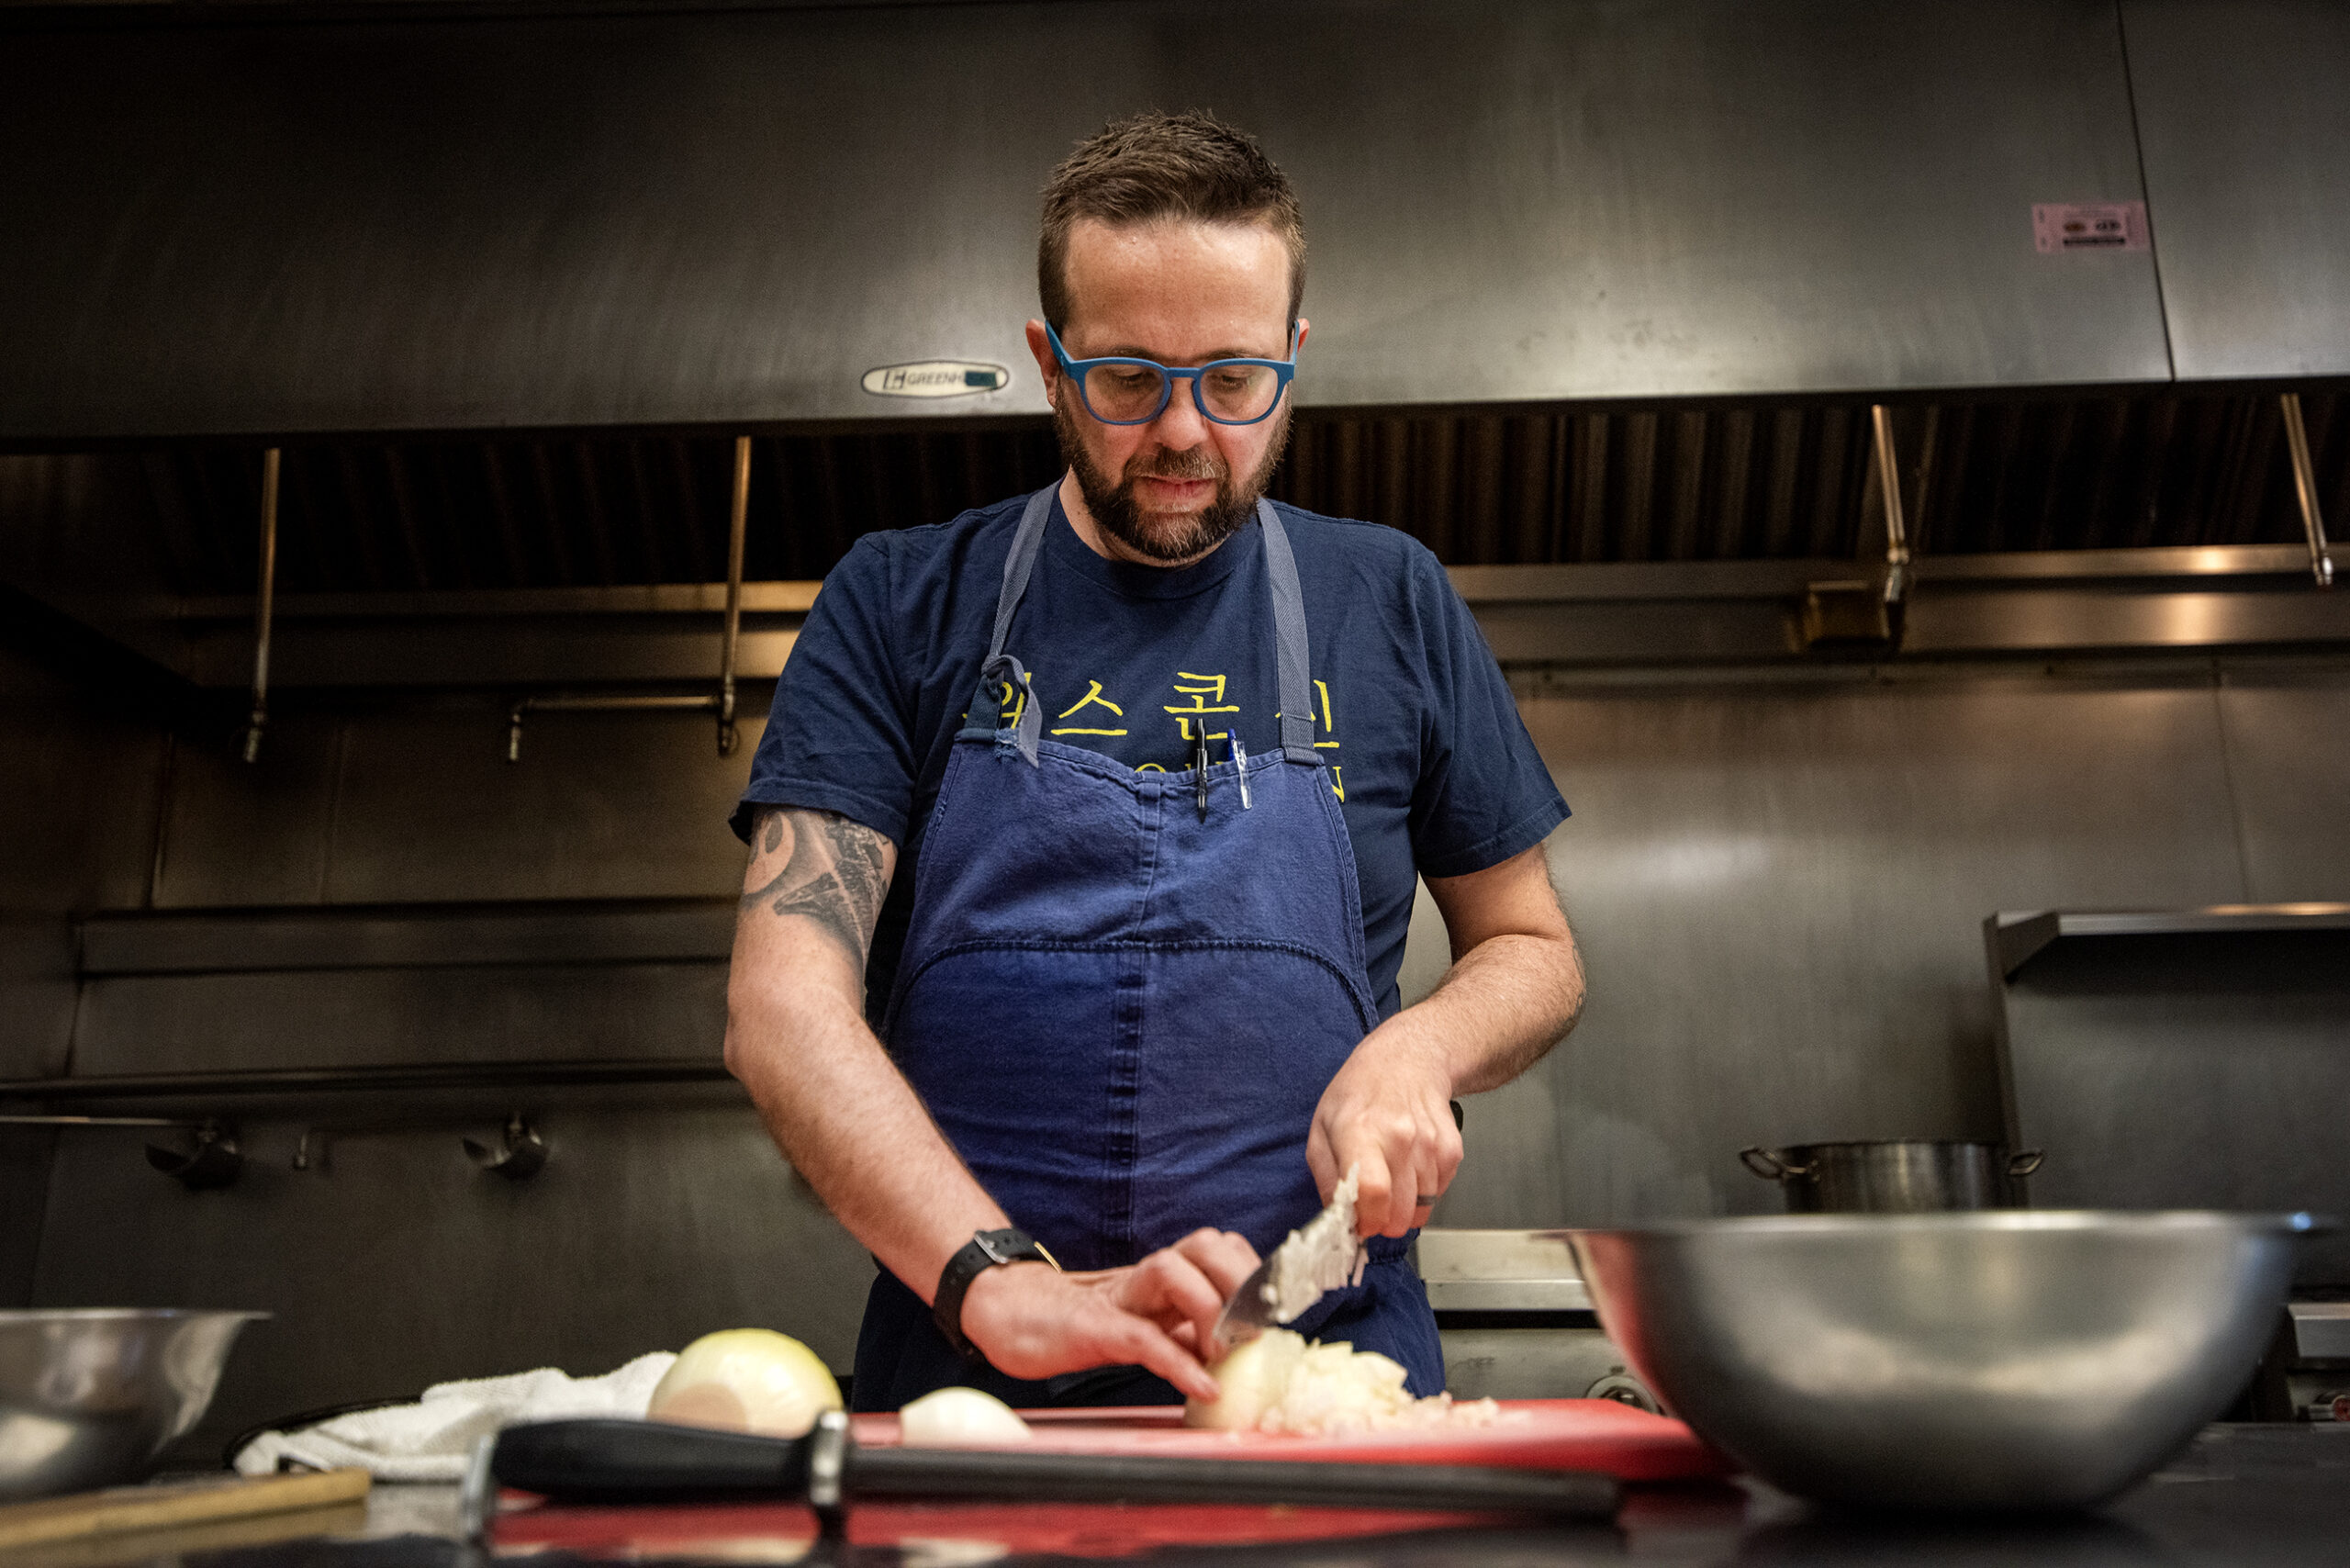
(429, 1439)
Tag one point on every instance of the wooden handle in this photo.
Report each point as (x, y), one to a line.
(124, 1508)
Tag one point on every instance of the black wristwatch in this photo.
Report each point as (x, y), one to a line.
(985, 1250)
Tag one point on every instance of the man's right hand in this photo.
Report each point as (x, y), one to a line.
(1031, 1322)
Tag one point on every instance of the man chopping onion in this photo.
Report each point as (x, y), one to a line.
(1084, 835)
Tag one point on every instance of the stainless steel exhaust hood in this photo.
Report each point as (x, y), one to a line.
(735, 217)
(2243, 110)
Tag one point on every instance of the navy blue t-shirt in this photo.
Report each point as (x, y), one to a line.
(1432, 766)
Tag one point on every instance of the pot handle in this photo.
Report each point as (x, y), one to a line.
(1767, 1164)
(2027, 1162)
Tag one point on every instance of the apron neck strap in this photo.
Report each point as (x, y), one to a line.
(1289, 639)
(1002, 670)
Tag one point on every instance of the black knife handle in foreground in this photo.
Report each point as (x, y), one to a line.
(611, 1460)
(608, 1460)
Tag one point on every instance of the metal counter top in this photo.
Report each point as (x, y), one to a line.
(2274, 1496)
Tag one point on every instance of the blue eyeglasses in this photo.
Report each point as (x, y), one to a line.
(1123, 391)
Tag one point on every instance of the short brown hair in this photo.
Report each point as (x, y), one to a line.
(1151, 166)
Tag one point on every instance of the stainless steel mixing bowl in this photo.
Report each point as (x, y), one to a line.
(1993, 1360)
(90, 1398)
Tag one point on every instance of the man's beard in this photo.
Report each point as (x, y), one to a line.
(1115, 508)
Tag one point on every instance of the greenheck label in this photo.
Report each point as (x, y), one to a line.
(936, 378)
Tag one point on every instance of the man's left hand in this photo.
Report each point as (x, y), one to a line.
(1388, 1113)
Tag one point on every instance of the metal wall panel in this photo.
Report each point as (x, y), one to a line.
(2245, 117)
(145, 1024)
(2189, 1071)
(1779, 889)
(24, 1157)
(602, 805)
(729, 217)
(420, 804)
(78, 787)
(2288, 762)
(396, 1263)
(36, 991)
(238, 832)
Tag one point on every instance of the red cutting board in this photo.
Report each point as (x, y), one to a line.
(1531, 1434)
(1537, 1434)
(948, 1532)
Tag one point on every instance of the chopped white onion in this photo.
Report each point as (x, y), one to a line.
(1320, 1256)
(1278, 1382)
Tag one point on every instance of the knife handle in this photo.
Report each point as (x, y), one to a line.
(606, 1459)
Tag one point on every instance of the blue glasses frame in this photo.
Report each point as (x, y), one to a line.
(1076, 369)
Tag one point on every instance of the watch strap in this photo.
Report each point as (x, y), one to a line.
(985, 1250)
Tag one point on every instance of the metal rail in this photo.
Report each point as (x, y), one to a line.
(729, 646)
(737, 527)
(99, 1122)
(2296, 437)
(1896, 532)
(266, 600)
(322, 1080)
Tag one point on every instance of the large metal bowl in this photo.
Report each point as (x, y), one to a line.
(90, 1398)
(1995, 1360)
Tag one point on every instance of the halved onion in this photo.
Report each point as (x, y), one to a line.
(1253, 1378)
(960, 1419)
(746, 1380)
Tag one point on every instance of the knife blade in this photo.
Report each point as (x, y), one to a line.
(1317, 1257)
(609, 1459)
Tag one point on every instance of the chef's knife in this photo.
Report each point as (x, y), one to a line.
(601, 1460)
(1251, 1310)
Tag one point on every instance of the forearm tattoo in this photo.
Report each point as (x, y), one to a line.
(821, 866)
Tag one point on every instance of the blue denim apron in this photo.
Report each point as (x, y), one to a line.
(1122, 1010)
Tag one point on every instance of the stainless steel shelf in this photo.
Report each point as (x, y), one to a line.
(407, 936)
(2017, 938)
(2321, 1329)
(329, 1081)
(1501, 1270)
